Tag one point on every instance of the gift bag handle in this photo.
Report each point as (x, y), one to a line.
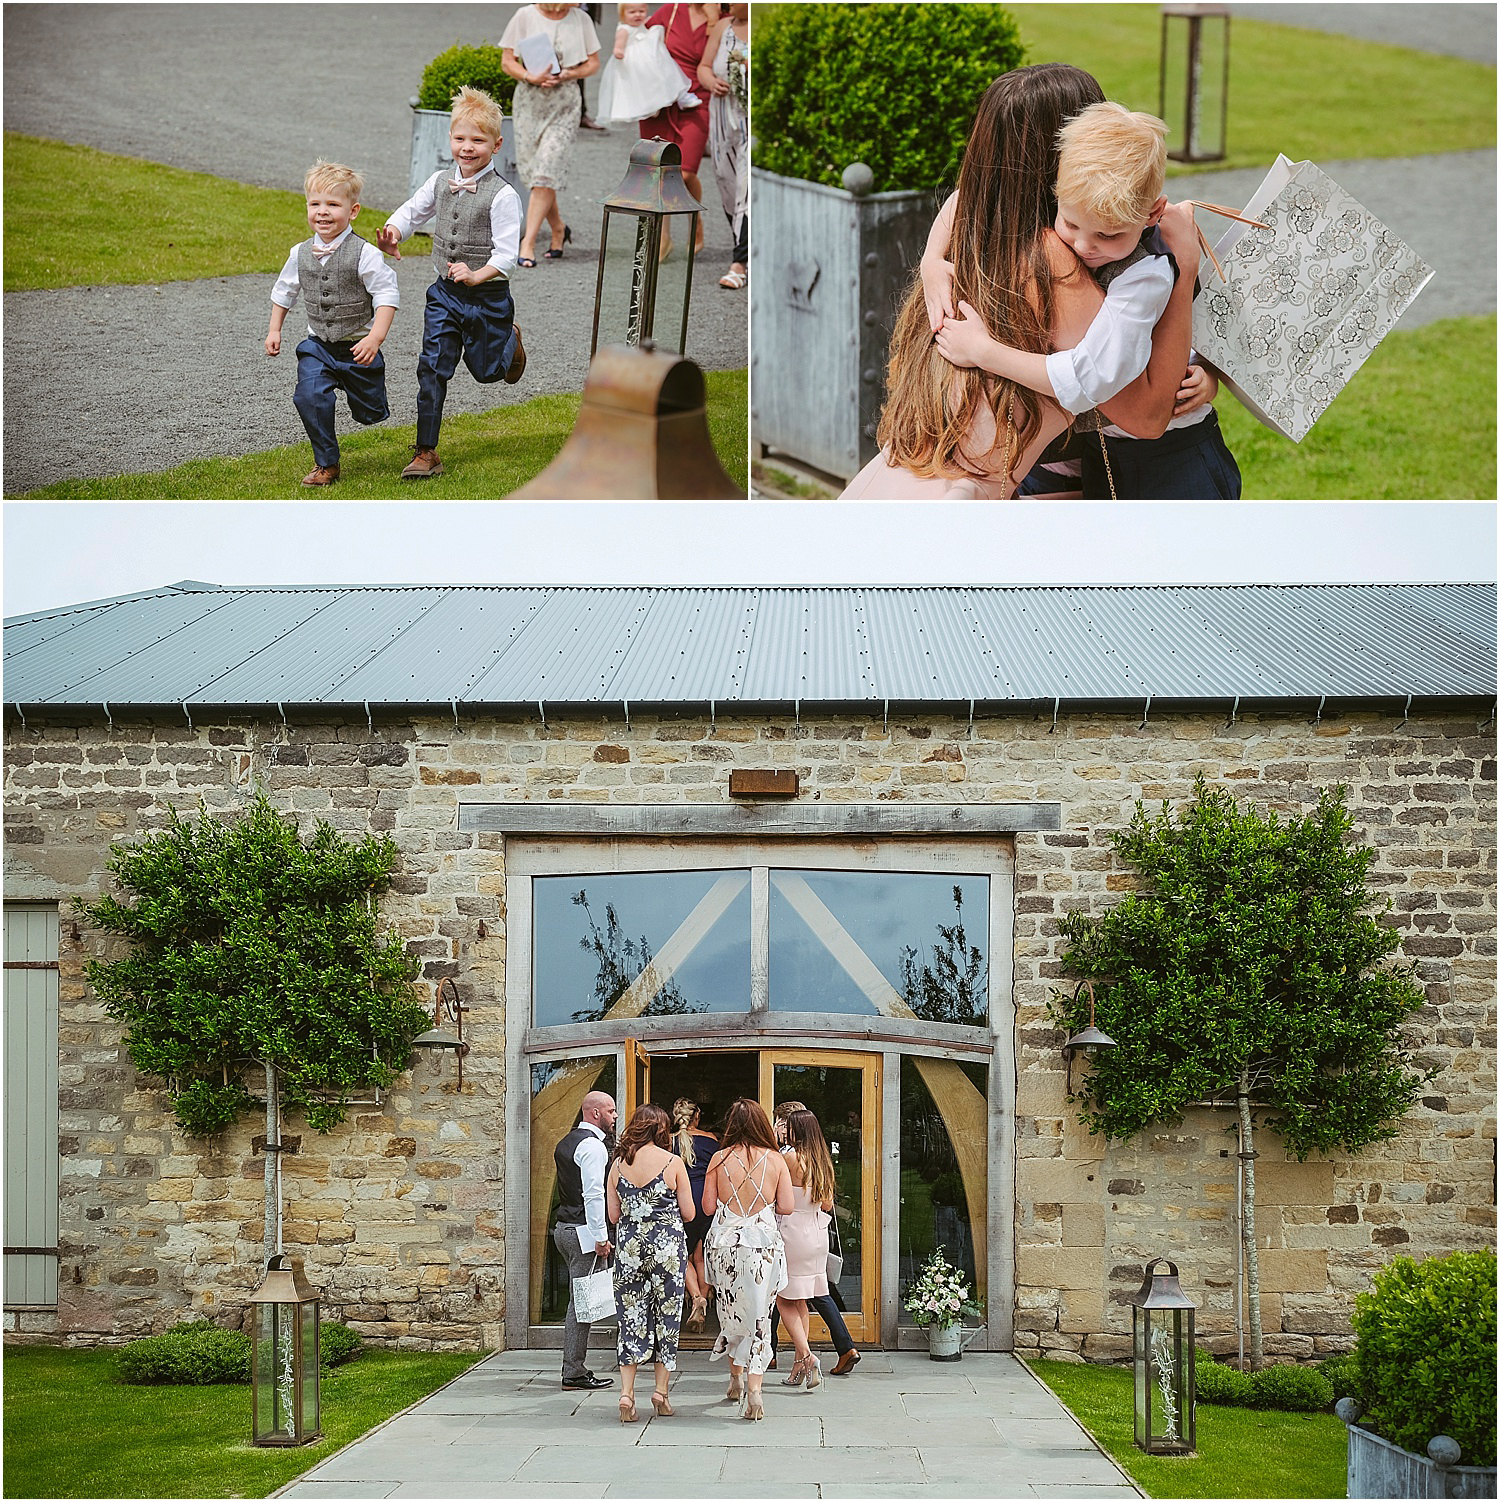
(1228, 213)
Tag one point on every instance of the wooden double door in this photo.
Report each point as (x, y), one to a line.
(843, 1089)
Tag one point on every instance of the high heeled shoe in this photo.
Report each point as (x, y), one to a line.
(736, 1389)
(554, 252)
(628, 1415)
(755, 1408)
(662, 1403)
(814, 1372)
(694, 1321)
(796, 1376)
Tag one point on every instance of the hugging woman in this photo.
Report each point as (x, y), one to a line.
(963, 433)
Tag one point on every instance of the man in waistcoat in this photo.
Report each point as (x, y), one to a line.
(476, 236)
(581, 1232)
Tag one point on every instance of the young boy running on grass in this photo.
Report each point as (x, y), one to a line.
(1110, 174)
(475, 242)
(351, 299)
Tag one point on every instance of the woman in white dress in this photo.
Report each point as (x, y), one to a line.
(746, 1187)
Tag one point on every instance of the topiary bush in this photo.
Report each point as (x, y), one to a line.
(477, 66)
(1291, 1389)
(892, 86)
(190, 1355)
(1426, 1335)
(337, 1343)
(1222, 1384)
(1341, 1373)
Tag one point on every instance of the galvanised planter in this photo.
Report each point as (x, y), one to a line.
(1377, 1468)
(429, 149)
(829, 267)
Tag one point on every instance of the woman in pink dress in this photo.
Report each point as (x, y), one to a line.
(804, 1233)
(687, 35)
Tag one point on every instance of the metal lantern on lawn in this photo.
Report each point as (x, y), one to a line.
(1162, 1347)
(646, 253)
(285, 1370)
(1194, 93)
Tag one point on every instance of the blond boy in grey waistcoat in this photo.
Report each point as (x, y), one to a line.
(351, 299)
(476, 237)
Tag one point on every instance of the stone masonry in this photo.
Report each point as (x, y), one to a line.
(399, 1214)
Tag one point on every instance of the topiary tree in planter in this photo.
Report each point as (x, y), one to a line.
(1246, 969)
(477, 66)
(251, 948)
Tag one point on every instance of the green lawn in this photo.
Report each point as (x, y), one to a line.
(72, 1431)
(1416, 423)
(127, 221)
(1241, 1452)
(1307, 94)
(485, 456)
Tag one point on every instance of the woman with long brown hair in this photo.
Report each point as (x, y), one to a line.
(695, 1148)
(805, 1234)
(746, 1187)
(647, 1192)
(961, 432)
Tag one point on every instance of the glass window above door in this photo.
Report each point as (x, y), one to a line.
(616, 945)
(881, 943)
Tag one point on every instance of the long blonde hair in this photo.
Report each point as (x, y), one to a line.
(1000, 267)
(805, 1137)
(684, 1113)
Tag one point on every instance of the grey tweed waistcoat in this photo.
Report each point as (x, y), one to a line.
(339, 305)
(461, 231)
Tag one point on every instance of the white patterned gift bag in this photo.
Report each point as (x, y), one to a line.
(1302, 302)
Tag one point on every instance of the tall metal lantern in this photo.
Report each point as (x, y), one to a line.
(284, 1367)
(1194, 96)
(646, 253)
(1163, 1350)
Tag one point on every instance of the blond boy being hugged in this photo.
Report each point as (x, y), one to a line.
(1111, 170)
(476, 237)
(351, 299)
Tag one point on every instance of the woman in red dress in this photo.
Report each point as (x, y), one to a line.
(686, 27)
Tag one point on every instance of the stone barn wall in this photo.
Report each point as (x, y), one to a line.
(399, 1214)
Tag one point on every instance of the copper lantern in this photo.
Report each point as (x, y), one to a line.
(1162, 1348)
(1194, 92)
(284, 1361)
(646, 253)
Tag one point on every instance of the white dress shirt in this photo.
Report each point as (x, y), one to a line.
(378, 277)
(505, 215)
(592, 1158)
(1117, 345)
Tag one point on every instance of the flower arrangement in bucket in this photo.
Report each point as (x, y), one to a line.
(937, 1300)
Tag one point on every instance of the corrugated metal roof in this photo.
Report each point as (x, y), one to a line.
(203, 645)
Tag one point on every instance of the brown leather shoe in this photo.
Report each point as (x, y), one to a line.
(771, 1365)
(846, 1363)
(324, 474)
(426, 466)
(517, 363)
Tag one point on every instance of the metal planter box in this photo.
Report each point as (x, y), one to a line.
(429, 149)
(1377, 1468)
(829, 269)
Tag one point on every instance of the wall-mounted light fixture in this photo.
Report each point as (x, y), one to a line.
(446, 1004)
(1091, 1040)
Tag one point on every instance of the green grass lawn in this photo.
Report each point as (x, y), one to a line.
(485, 455)
(1307, 94)
(1241, 1452)
(1416, 423)
(126, 221)
(72, 1431)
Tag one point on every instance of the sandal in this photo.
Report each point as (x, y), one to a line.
(663, 1405)
(736, 1391)
(529, 262)
(554, 253)
(797, 1375)
(754, 1407)
(814, 1372)
(694, 1321)
(733, 281)
(628, 1414)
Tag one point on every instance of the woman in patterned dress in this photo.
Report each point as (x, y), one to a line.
(746, 1187)
(547, 110)
(723, 75)
(647, 1192)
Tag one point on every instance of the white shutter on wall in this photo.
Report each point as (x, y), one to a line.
(30, 1104)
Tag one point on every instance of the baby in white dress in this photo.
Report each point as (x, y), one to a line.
(641, 78)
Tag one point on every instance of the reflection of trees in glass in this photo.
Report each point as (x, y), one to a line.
(622, 961)
(955, 986)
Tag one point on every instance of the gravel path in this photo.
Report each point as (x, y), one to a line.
(224, 89)
(1458, 30)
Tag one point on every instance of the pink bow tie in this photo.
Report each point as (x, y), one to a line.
(322, 252)
(471, 186)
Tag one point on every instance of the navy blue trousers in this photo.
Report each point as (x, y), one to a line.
(1184, 464)
(823, 1306)
(323, 370)
(474, 322)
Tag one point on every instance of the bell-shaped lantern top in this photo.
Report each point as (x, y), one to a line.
(1162, 1290)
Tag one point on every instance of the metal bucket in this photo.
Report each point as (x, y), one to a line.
(947, 1342)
